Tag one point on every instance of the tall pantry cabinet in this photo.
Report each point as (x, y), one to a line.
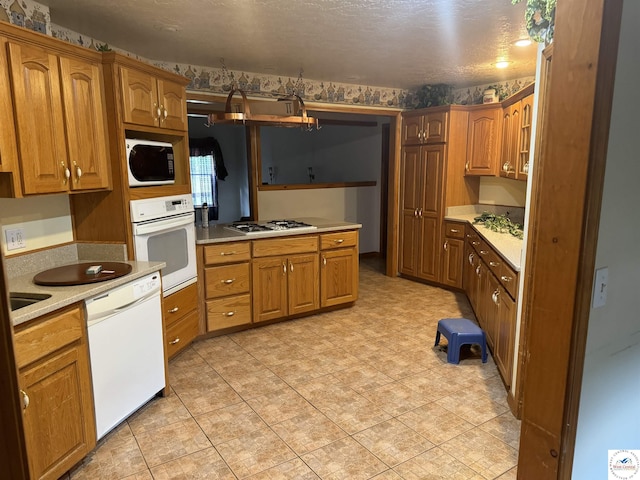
(434, 152)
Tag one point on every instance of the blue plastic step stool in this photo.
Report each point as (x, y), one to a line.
(461, 331)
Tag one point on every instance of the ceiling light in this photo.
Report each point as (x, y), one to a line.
(502, 64)
(523, 42)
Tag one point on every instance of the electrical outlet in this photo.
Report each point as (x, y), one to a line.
(15, 238)
(600, 287)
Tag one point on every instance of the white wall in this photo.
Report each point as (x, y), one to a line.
(502, 191)
(353, 204)
(46, 221)
(233, 192)
(609, 417)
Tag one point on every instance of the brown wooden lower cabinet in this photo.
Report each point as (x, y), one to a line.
(55, 380)
(491, 285)
(180, 318)
(339, 268)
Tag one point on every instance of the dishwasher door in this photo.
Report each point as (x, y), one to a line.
(126, 349)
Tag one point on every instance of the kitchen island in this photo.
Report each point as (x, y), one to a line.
(250, 279)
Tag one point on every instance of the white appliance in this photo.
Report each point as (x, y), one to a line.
(126, 349)
(164, 231)
(149, 163)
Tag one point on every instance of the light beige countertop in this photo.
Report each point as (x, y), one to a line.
(67, 295)
(218, 233)
(508, 246)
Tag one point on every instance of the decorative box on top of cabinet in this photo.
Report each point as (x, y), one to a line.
(52, 358)
(60, 114)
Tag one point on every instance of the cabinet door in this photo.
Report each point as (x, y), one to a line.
(435, 127)
(524, 140)
(39, 119)
(302, 283)
(173, 105)
(411, 201)
(57, 421)
(491, 313)
(339, 277)
(506, 165)
(412, 130)
(453, 250)
(469, 274)
(269, 288)
(429, 213)
(482, 141)
(139, 97)
(505, 336)
(8, 146)
(85, 117)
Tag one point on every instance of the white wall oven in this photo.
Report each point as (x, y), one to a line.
(164, 231)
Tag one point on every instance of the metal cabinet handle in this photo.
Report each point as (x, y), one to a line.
(229, 281)
(454, 230)
(174, 309)
(483, 252)
(165, 114)
(78, 170)
(415, 212)
(478, 270)
(229, 314)
(506, 279)
(475, 243)
(420, 213)
(67, 173)
(158, 112)
(340, 240)
(494, 264)
(324, 260)
(496, 297)
(291, 267)
(25, 399)
(471, 255)
(284, 268)
(228, 253)
(466, 167)
(446, 245)
(173, 342)
(469, 235)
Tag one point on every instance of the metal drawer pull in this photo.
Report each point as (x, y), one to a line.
(173, 342)
(478, 270)
(25, 399)
(174, 309)
(324, 260)
(469, 235)
(340, 240)
(475, 243)
(504, 278)
(484, 252)
(228, 253)
(229, 281)
(471, 258)
(494, 264)
(446, 246)
(454, 230)
(229, 314)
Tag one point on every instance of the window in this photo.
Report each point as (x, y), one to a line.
(203, 180)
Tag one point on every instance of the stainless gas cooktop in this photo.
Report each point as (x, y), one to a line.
(249, 228)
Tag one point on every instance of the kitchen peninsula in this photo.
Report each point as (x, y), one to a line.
(249, 279)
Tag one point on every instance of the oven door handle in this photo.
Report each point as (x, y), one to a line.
(157, 226)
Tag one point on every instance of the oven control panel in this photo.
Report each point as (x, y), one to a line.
(159, 207)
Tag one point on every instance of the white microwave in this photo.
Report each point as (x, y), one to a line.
(149, 163)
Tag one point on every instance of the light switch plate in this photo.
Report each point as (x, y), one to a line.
(600, 286)
(15, 238)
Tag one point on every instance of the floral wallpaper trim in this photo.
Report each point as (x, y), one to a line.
(27, 14)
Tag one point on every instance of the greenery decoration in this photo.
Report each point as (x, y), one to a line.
(434, 95)
(103, 48)
(500, 223)
(540, 18)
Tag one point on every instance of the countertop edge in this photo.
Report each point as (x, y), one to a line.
(219, 234)
(505, 244)
(63, 296)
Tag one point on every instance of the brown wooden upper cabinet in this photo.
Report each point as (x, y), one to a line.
(426, 128)
(483, 140)
(524, 139)
(151, 101)
(510, 140)
(60, 115)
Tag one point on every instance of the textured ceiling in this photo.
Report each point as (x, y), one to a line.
(388, 43)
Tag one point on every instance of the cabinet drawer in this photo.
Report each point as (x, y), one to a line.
(228, 312)
(180, 334)
(226, 280)
(454, 230)
(227, 253)
(179, 304)
(285, 246)
(491, 258)
(509, 279)
(47, 334)
(338, 239)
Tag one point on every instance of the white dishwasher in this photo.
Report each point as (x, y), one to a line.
(126, 349)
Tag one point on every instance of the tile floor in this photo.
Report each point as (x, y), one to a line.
(356, 393)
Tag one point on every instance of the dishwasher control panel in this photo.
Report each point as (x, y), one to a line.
(145, 285)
